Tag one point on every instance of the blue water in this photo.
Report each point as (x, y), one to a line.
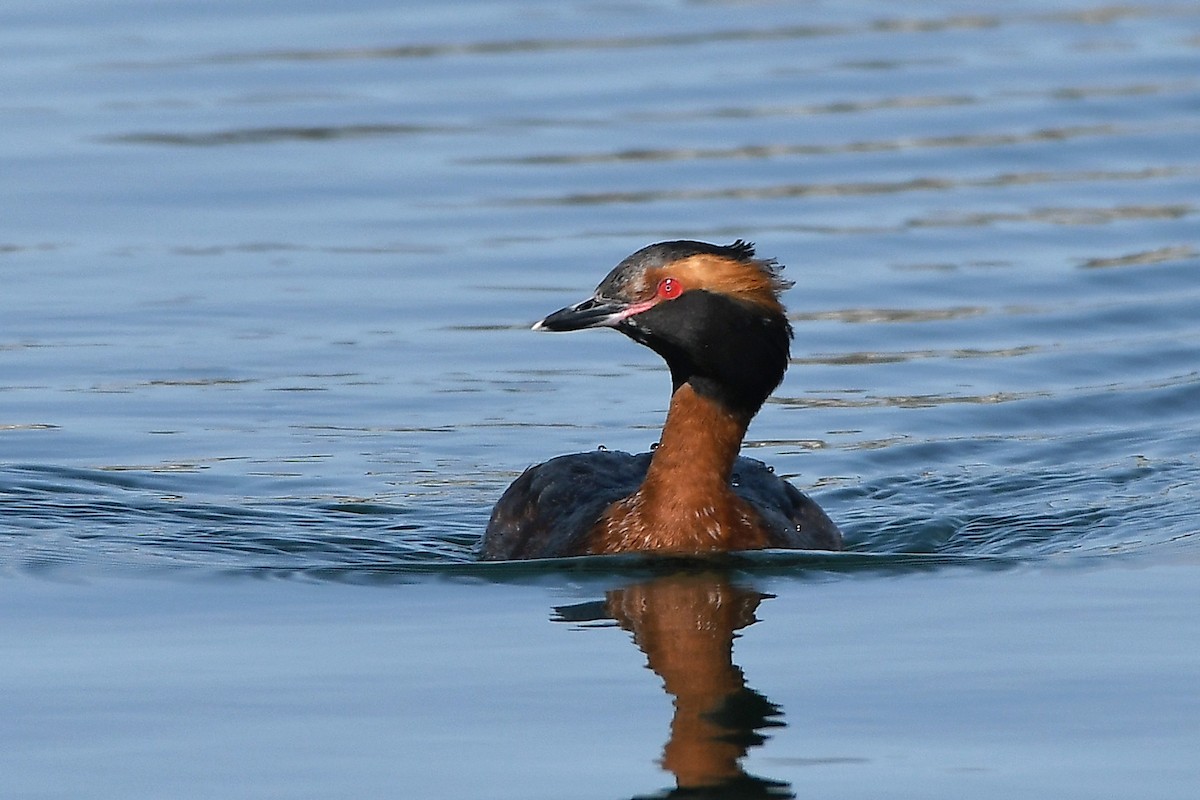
(267, 277)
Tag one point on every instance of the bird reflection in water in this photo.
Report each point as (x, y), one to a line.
(686, 624)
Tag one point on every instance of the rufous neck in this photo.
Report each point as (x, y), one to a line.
(700, 441)
(685, 503)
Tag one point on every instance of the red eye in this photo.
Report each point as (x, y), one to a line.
(669, 288)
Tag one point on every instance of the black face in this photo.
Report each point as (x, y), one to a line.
(728, 349)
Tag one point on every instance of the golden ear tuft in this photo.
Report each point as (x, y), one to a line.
(750, 280)
(743, 251)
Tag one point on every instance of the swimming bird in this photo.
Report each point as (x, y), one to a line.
(713, 313)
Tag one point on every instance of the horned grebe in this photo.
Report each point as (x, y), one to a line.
(713, 313)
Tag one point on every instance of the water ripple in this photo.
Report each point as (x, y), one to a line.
(1099, 17)
(778, 150)
(1157, 256)
(1048, 512)
(73, 517)
(272, 135)
(856, 188)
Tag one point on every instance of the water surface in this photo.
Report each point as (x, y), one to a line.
(268, 273)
